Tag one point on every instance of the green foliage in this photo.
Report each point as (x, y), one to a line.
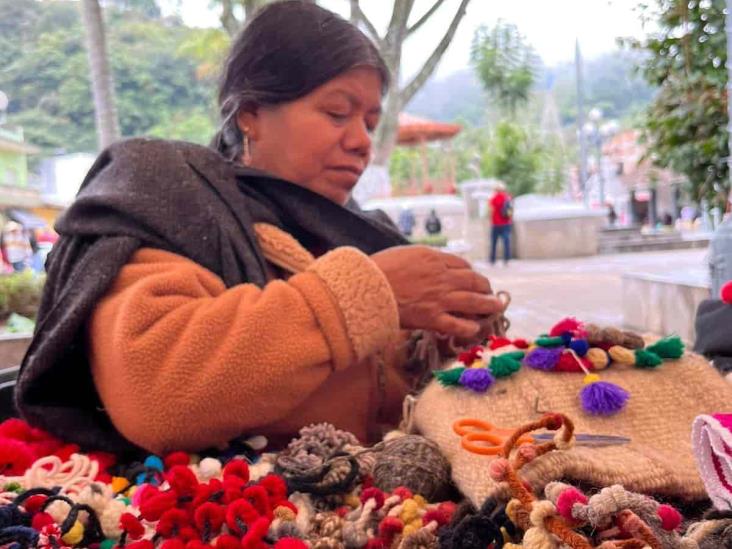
(685, 127)
(505, 64)
(514, 157)
(156, 77)
(20, 293)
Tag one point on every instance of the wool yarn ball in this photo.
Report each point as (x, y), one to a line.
(416, 463)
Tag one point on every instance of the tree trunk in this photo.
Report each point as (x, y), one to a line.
(105, 111)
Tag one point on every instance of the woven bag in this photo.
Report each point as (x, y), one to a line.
(657, 419)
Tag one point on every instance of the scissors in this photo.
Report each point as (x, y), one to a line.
(481, 437)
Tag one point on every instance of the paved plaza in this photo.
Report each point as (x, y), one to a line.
(544, 291)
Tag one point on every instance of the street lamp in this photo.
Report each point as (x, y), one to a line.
(597, 133)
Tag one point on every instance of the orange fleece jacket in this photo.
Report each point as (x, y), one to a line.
(182, 362)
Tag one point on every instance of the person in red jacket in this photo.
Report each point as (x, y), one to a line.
(502, 221)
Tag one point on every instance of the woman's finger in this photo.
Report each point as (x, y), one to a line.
(468, 280)
(472, 303)
(450, 325)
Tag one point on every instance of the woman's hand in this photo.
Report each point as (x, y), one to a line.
(436, 291)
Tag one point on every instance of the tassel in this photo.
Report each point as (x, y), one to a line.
(601, 397)
(670, 347)
(505, 365)
(543, 359)
(448, 378)
(647, 359)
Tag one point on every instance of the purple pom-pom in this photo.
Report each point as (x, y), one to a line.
(543, 358)
(603, 399)
(477, 379)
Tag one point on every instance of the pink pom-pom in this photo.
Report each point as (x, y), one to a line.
(498, 469)
(527, 452)
(569, 324)
(670, 517)
(726, 293)
(566, 501)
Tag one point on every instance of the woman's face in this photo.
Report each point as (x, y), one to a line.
(321, 141)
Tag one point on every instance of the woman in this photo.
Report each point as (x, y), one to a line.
(196, 295)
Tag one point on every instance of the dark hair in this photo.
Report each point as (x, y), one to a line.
(286, 51)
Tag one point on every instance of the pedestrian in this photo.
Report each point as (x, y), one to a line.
(16, 246)
(432, 225)
(502, 222)
(406, 221)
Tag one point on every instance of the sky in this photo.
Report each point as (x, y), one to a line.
(550, 26)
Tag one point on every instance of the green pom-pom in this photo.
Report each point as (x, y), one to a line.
(449, 377)
(545, 341)
(107, 544)
(669, 347)
(515, 355)
(647, 359)
(13, 487)
(504, 365)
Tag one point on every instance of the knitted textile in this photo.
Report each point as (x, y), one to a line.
(657, 419)
(711, 437)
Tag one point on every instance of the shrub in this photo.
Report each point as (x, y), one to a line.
(20, 293)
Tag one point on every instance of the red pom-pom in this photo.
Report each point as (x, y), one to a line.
(176, 458)
(498, 342)
(238, 468)
(239, 515)
(566, 501)
(373, 493)
(291, 506)
(390, 527)
(275, 486)
(569, 324)
(375, 543)
(172, 522)
(290, 543)
(17, 429)
(520, 343)
(255, 534)
(188, 533)
(34, 503)
(227, 541)
(448, 507)
(403, 492)
(174, 543)
(15, 457)
(670, 517)
(257, 496)
(142, 544)
(568, 363)
(197, 544)
(468, 357)
(182, 480)
(64, 452)
(209, 516)
(132, 525)
(153, 507)
(436, 515)
(726, 293)
(40, 520)
(343, 511)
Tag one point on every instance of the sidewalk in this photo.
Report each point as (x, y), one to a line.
(545, 291)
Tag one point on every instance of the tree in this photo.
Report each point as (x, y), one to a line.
(685, 126)
(390, 46)
(101, 77)
(505, 63)
(514, 157)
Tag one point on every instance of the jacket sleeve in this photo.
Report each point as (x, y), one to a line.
(181, 362)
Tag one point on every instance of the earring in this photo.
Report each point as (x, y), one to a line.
(247, 156)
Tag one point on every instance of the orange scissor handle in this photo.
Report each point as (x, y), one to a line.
(475, 433)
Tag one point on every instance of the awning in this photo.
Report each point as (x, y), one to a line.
(27, 219)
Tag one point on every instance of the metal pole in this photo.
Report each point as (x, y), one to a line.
(581, 122)
(600, 175)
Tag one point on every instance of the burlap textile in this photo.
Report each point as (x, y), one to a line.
(657, 419)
